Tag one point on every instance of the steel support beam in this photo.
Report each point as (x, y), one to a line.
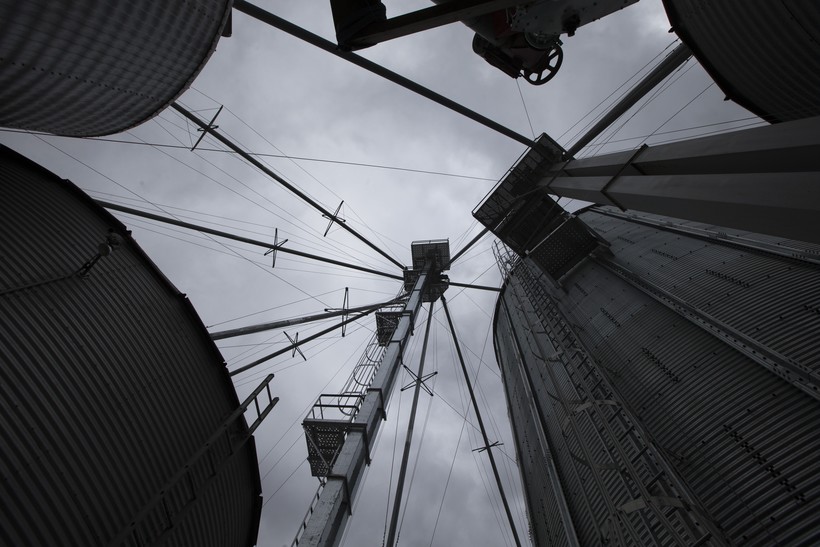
(298, 32)
(325, 526)
(670, 63)
(486, 439)
(762, 179)
(424, 19)
(227, 235)
(394, 518)
(294, 190)
(297, 344)
(471, 286)
(261, 327)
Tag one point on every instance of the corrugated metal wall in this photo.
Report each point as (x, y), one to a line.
(109, 383)
(706, 343)
(543, 491)
(94, 67)
(764, 54)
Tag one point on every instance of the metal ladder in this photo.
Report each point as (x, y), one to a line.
(177, 496)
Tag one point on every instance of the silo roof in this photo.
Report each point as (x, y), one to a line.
(764, 54)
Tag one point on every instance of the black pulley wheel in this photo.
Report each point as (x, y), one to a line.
(551, 63)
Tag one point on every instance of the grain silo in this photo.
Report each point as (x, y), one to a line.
(92, 67)
(762, 54)
(118, 421)
(662, 386)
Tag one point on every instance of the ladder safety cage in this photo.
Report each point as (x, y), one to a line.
(333, 415)
(386, 323)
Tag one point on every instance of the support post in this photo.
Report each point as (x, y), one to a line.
(277, 246)
(325, 526)
(394, 519)
(487, 445)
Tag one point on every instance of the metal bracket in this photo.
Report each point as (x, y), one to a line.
(295, 343)
(660, 501)
(617, 175)
(276, 246)
(381, 29)
(361, 427)
(333, 218)
(204, 131)
(344, 308)
(83, 271)
(346, 489)
(381, 401)
(417, 380)
(112, 242)
(489, 446)
(327, 464)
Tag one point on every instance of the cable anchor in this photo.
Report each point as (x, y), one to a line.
(111, 243)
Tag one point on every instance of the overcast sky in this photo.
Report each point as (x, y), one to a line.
(282, 96)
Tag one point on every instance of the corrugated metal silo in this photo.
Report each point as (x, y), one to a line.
(765, 55)
(666, 389)
(109, 387)
(94, 67)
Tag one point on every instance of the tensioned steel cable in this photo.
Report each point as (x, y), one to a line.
(524, 104)
(155, 205)
(259, 154)
(668, 71)
(419, 378)
(301, 168)
(256, 163)
(301, 342)
(296, 221)
(605, 99)
(467, 247)
(236, 154)
(487, 445)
